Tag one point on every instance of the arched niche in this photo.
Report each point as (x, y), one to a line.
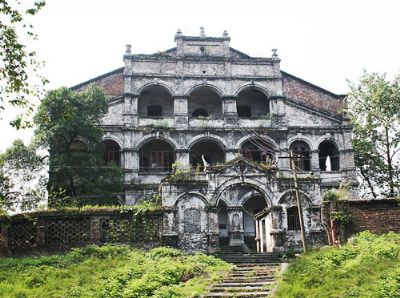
(328, 149)
(156, 156)
(155, 101)
(252, 103)
(205, 102)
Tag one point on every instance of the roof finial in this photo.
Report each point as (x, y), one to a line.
(274, 53)
(128, 49)
(202, 32)
(225, 34)
(179, 32)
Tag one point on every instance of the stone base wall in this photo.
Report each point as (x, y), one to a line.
(55, 231)
(377, 216)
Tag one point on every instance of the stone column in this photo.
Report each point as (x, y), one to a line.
(277, 110)
(262, 236)
(315, 162)
(181, 117)
(236, 230)
(95, 229)
(257, 222)
(229, 110)
(277, 234)
(41, 232)
(182, 157)
(213, 230)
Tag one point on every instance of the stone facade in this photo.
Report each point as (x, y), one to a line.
(227, 122)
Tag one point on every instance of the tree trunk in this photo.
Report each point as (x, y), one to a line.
(389, 161)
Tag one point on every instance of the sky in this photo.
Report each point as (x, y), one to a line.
(321, 41)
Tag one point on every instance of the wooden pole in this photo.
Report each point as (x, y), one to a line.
(299, 206)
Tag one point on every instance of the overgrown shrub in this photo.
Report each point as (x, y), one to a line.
(368, 266)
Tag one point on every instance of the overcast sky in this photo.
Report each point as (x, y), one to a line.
(323, 42)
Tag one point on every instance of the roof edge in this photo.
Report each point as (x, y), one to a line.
(118, 70)
(339, 96)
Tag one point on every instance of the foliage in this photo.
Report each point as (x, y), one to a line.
(374, 105)
(335, 214)
(366, 267)
(22, 177)
(111, 271)
(66, 119)
(18, 65)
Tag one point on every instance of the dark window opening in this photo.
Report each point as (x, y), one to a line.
(112, 152)
(199, 113)
(328, 149)
(244, 111)
(302, 155)
(209, 150)
(293, 220)
(155, 161)
(257, 151)
(154, 111)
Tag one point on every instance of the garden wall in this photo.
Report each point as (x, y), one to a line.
(377, 216)
(59, 230)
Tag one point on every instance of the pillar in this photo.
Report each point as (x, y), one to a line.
(262, 232)
(181, 117)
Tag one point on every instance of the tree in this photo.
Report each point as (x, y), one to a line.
(18, 65)
(22, 177)
(68, 125)
(374, 105)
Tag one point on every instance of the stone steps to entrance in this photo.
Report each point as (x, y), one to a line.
(252, 276)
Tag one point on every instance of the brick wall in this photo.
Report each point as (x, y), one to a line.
(378, 216)
(312, 96)
(112, 83)
(52, 231)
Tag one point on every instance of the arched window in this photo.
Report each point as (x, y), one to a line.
(252, 103)
(156, 156)
(155, 101)
(301, 150)
(199, 113)
(112, 152)
(257, 150)
(154, 111)
(209, 149)
(328, 156)
(204, 102)
(293, 220)
(244, 111)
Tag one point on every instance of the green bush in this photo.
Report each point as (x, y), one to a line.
(111, 271)
(368, 266)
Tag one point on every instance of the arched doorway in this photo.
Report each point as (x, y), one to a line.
(253, 205)
(237, 221)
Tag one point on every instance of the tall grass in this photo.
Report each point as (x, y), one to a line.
(368, 266)
(110, 271)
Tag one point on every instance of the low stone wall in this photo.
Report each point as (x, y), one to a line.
(377, 216)
(59, 230)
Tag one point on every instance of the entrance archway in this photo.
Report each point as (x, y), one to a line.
(253, 205)
(236, 214)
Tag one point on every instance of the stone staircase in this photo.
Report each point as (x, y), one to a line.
(252, 276)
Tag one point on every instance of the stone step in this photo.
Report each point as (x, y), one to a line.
(237, 294)
(252, 279)
(258, 289)
(245, 283)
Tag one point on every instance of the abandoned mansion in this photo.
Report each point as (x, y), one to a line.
(210, 129)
